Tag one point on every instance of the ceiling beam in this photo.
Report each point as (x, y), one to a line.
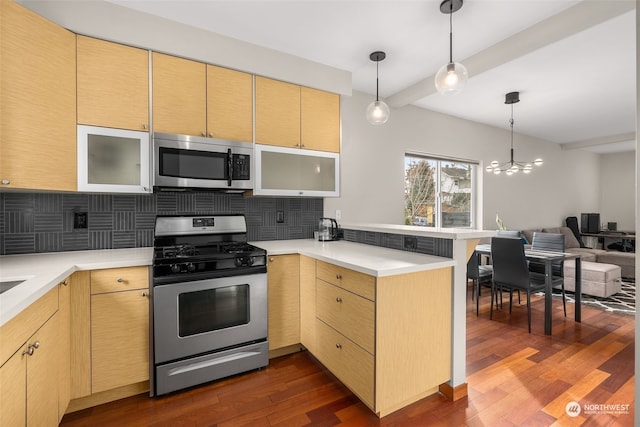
(580, 17)
(611, 139)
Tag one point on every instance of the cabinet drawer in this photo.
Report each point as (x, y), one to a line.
(119, 279)
(347, 361)
(354, 281)
(348, 313)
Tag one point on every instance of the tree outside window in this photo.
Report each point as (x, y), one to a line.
(438, 193)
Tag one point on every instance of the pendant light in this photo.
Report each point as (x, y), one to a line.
(452, 77)
(510, 167)
(377, 111)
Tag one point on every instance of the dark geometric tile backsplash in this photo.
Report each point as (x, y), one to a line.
(44, 222)
(424, 245)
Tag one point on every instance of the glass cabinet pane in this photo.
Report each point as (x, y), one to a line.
(283, 171)
(113, 160)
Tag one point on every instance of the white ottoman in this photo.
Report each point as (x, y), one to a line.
(598, 279)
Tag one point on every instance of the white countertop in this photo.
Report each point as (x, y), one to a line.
(368, 259)
(415, 230)
(42, 272)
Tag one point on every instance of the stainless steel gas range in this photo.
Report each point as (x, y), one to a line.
(209, 301)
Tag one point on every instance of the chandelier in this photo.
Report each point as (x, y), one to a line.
(512, 166)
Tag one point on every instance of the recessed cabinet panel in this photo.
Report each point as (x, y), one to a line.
(295, 172)
(113, 160)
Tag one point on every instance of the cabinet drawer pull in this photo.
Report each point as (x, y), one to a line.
(6, 182)
(271, 259)
(339, 346)
(144, 294)
(120, 280)
(144, 126)
(65, 282)
(338, 299)
(338, 276)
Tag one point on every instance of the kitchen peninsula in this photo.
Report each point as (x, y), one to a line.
(388, 265)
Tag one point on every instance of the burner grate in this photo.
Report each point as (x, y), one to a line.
(179, 251)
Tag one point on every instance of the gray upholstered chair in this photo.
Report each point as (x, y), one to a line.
(550, 242)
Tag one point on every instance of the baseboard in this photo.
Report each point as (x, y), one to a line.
(453, 393)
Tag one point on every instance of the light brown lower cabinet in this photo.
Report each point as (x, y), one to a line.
(283, 275)
(388, 339)
(119, 339)
(110, 335)
(29, 377)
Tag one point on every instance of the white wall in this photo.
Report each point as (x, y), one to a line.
(618, 189)
(373, 169)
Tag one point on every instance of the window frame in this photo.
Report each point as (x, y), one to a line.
(475, 183)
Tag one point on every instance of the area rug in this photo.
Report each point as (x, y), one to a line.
(624, 302)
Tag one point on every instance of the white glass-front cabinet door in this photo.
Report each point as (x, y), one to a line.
(113, 160)
(281, 171)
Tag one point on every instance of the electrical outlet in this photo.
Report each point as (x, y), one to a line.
(338, 215)
(80, 220)
(279, 217)
(411, 242)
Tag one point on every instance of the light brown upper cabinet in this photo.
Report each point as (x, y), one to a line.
(113, 85)
(229, 104)
(289, 115)
(320, 115)
(192, 98)
(277, 113)
(37, 102)
(179, 95)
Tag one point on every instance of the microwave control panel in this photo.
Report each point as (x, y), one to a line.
(241, 167)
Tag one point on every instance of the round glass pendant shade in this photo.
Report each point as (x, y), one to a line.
(377, 113)
(451, 78)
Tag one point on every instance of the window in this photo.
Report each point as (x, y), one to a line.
(439, 192)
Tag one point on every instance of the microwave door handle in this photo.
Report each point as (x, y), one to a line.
(229, 166)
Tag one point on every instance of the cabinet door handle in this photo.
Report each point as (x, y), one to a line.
(339, 346)
(338, 299)
(65, 283)
(271, 259)
(5, 182)
(31, 348)
(203, 134)
(144, 126)
(210, 135)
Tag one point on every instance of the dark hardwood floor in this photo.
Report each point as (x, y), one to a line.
(514, 379)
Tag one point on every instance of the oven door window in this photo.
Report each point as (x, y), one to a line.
(193, 164)
(212, 309)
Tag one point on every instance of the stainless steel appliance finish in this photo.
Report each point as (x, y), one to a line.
(190, 162)
(209, 301)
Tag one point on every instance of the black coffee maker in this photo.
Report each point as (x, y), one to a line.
(328, 230)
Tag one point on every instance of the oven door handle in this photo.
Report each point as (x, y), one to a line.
(229, 166)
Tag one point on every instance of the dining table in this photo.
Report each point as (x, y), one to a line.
(549, 258)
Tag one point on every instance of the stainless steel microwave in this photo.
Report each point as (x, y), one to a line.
(191, 162)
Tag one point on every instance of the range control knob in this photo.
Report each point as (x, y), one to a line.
(250, 260)
(238, 261)
(191, 268)
(175, 268)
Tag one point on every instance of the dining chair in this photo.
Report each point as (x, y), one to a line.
(479, 275)
(511, 271)
(550, 242)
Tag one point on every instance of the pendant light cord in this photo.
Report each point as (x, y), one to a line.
(377, 62)
(511, 123)
(451, 32)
